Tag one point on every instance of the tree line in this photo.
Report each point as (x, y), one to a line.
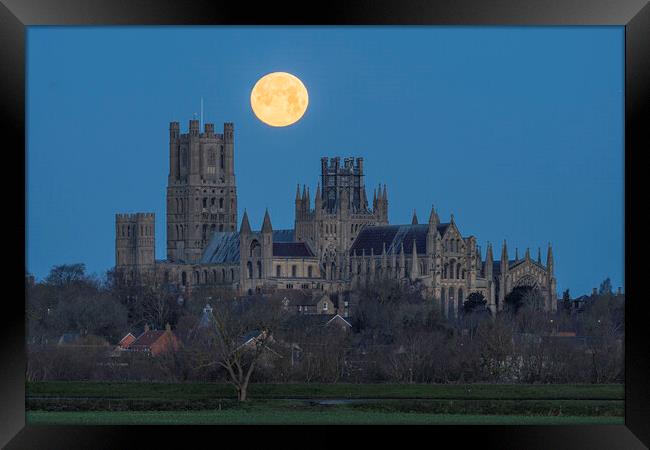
(397, 334)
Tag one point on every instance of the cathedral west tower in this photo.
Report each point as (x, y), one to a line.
(201, 188)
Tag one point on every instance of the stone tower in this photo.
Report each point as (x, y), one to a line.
(135, 241)
(340, 212)
(201, 188)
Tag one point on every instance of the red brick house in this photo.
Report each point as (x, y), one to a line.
(126, 341)
(155, 342)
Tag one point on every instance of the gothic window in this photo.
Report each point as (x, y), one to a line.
(278, 271)
(223, 275)
(212, 158)
(205, 276)
(205, 202)
(457, 271)
(259, 269)
(232, 274)
(221, 157)
(256, 249)
(293, 271)
(214, 275)
(195, 277)
(249, 267)
(309, 271)
(221, 203)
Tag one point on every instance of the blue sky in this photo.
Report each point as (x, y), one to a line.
(517, 131)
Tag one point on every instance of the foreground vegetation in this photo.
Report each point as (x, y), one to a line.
(340, 390)
(329, 417)
(78, 402)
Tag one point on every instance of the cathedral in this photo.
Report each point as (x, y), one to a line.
(338, 242)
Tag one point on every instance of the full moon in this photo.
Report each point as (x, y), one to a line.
(279, 99)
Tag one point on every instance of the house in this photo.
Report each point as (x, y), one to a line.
(126, 341)
(305, 303)
(155, 342)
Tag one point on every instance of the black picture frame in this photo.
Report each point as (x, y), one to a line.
(16, 15)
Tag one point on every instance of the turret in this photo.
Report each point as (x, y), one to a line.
(488, 262)
(549, 260)
(415, 266)
(384, 260)
(402, 261)
(318, 201)
(504, 258)
(267, 245)
(414, 220)
(432, 231)
(245, 228)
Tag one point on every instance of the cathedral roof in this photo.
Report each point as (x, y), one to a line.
(223, 248)
(291, 249)
(374, 237)
(283, 236)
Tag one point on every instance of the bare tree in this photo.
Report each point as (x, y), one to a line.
(242, 332)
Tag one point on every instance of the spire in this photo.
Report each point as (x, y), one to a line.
(527, 254)
(433, 217)
(266, 225)
(549, 259)
(539, 255)
(488, 262)
(452, 218)
(414, 221)
(297, 192)
(304, 193)
(415, 267)
(504, 256)
(245, 225)
(516, 253)
(402, 261)
(307, 204)
(385, 195)
(317, 199)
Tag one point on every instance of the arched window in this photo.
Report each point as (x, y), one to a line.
(256, 249)
(221, 157)
(205, 276)
(223, 275)
(205, 202)
(232, 274)
(214, 275)
(278, 271)
(221, 203)
(259, 269)
(195, 277)
(461, 299)
(457, 271)
(183, 278)
(294, 271)
(309, 271)
(249, 267)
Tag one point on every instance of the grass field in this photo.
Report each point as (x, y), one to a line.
(271, 417)
(196, 403)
